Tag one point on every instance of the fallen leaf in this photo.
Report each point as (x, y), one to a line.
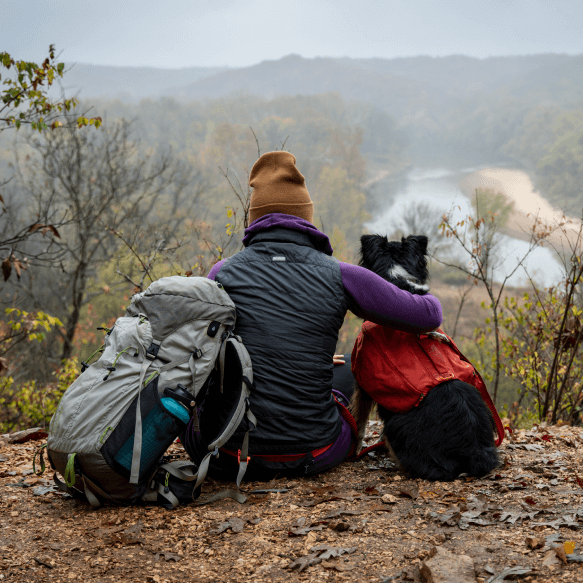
(124, 539)
(551, 558)
(410, 490)
(6, 268)
(526, 446)
(566, 521)
(339, 526)
(472, 517)
(337, 565)
(135, 528)
(330, 552)
(234, 523)
(451, 518)
(302, 562)
(42, 490)
(371, 490)
(233, 494)
(337, 513)
(167, 556)
(569, 547)
(510, 571)
(560, 552)
(514, 517)
(427, 495)
(108, 531)
(379, 508)
(551, 540)
(305, 530)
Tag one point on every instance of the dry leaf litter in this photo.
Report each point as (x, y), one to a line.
(363, 521)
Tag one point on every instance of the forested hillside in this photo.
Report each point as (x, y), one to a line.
(92, 216)
(455, 110)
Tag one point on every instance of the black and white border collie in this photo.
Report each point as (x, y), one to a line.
(426, 440)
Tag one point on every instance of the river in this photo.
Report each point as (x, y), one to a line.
(440, 191)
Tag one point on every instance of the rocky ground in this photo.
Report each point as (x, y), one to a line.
(363, 521)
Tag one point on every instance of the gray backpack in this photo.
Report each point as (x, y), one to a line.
(173, 351)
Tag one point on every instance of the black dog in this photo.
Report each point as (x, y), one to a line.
(451, 429)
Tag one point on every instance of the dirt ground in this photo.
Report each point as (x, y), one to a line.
(363, 521)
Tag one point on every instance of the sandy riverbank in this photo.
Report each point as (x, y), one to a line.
(518, 188)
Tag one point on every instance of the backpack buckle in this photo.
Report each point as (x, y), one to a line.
(196, 353)
(239, 457)
(152, 352)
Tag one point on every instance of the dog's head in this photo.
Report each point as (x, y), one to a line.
(403, 263)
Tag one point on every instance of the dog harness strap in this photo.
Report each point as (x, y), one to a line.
(481, 386)
(364, 451)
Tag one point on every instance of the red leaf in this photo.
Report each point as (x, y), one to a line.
(36, 227)
(18, 267)
(6, 268)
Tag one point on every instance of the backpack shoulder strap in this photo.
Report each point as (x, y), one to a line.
(242, 409)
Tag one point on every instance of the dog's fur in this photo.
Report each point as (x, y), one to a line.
(451, 431)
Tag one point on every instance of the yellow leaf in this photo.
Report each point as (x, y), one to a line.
(569, 547)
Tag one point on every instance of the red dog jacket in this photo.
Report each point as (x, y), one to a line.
(397, 369)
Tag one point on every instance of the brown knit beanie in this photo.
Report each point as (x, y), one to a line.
(279, 187)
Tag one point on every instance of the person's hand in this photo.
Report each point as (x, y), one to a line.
(338, 359)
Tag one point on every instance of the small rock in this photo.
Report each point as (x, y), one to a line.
(534, 543)
(446, 567)
(388, 499)
(25, 435)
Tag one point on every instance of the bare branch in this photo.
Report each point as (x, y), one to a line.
(257, 142)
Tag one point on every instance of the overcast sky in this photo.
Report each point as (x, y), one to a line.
(184, 33)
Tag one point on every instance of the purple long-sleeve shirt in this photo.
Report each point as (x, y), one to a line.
(369, 296)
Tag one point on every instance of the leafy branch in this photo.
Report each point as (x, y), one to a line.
(27, 91)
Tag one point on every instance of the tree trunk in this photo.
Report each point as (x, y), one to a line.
(79, 285)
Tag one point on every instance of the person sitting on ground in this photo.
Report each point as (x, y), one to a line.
(291, 297)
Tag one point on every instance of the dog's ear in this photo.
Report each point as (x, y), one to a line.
(364, 239)
(368, 245)
(419, 240)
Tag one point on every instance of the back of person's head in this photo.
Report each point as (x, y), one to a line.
(279, 187)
